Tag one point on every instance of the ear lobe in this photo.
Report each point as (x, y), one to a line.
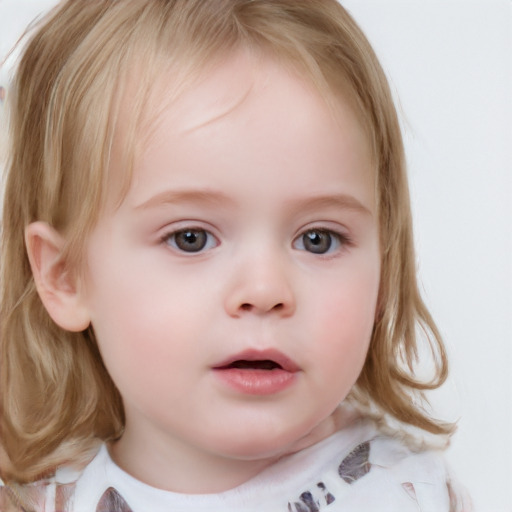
(57, 287)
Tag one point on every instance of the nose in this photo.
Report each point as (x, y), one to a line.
(260, 285)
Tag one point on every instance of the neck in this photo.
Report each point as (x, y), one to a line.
(178, 470)
(171, 465)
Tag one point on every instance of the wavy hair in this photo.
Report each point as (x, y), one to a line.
(56, 397)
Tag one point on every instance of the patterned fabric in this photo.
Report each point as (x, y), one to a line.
(354, 470)
(356, 464)
(112, 501)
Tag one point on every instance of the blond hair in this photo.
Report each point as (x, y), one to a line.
(57, 399)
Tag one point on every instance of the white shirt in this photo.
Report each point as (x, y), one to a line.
(354, 470)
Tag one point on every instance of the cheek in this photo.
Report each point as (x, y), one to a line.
(145, 346)
(345, 317)
(146, 323)
(348, 301)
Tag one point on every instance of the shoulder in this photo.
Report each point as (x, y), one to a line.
(423, 474)
(420, 476)
(25, 497)
(374, 471)
(53, 494)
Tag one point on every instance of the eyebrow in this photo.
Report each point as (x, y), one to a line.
(341, 201)
(219, 199)
(186, 196)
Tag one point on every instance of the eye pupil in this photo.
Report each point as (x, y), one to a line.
(318, 242)
(191, 240)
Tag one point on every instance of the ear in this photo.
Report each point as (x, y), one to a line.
(58, 287)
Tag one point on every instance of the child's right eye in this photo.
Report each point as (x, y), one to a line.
(191, 240)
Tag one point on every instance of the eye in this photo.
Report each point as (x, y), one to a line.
(320, 241)
(191, 240)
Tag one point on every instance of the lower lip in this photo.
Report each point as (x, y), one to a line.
(256, 382)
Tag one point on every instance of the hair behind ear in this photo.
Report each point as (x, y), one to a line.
(56, 397)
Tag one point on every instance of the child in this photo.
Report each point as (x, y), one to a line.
(209, 298)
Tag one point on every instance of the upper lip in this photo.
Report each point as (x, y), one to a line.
(273, 355)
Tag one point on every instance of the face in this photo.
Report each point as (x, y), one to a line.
(233, 291)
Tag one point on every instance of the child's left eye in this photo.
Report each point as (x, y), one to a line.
(191, 240)
(320, 241)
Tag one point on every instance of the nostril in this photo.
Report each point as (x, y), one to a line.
(246, 307)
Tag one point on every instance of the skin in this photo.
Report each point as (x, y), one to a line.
(252, 159)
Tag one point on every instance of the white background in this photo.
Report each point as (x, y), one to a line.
(449, 63)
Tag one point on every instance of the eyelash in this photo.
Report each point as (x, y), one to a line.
(339, 240)
(332, 241)
(170, 239)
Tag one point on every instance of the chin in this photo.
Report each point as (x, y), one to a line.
(262, 445)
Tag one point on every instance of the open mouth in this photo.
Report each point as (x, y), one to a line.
(257, 372)
(258, 360)
(241, 364)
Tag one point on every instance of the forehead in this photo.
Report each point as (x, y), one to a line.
(234, 87)
(244, 73)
